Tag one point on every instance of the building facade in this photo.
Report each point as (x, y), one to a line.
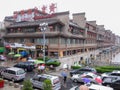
(63, 37)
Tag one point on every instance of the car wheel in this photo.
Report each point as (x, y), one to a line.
(75, 80)
(103, 78)
(33, 86)
(108, 85)
(13, 80)
(25, 69)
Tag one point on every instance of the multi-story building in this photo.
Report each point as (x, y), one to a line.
(64, 38)
(100, 36)
(2, 33)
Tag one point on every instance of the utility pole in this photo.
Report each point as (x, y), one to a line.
(43, 27)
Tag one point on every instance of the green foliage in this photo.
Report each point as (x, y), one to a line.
(27, 85)
(41, 58)
(75, 67)
(47, 84)
(55, 64)
(103, 69)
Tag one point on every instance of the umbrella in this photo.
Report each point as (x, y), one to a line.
(51, 60)
(23, 53)
(86, 80)
(39, 62)
(17, 55)
(11, 53)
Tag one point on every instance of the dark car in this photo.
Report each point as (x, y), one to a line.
(82, 70)
(27, 66)
(113, 82)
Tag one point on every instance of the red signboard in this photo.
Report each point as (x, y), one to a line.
(34, 14)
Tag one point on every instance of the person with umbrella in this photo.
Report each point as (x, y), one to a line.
(86, 80)
(64, 75)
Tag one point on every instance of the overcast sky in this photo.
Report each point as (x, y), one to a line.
(105, 12)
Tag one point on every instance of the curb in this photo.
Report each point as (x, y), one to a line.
(13, 85)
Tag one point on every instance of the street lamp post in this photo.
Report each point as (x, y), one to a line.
(43, 27)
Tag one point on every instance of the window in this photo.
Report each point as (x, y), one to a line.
(118, 81)
(32, 40)
(36, 78)
(42, 79)
(53, 40)
(55, 81)
(11, 72)
(20, 72)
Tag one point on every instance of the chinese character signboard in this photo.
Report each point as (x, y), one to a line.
(41, 47)
(34, 14)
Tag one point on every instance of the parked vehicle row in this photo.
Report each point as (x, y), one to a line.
(111, 79)
(18, 74)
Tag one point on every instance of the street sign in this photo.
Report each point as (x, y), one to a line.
(41, 47)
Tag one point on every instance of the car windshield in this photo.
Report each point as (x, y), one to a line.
(20, 72)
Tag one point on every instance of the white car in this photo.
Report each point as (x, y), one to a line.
(2, 58)
(32, 60)
(93, 87)
(14, 74)
(38, 81)
(78, 77)
(114, 73)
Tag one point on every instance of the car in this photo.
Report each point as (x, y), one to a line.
(3, 58)
(38, 81)
(82, 70)
(14, 74)
(32, 60)
(27, 66)
(2, 68)
(79, 77)
(114, 73)
(113, 82)
(93, 87)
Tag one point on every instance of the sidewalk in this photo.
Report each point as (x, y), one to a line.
(8, 87)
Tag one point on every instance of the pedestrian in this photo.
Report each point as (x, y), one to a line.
(83, 87)
(64, 75)
(98, 80)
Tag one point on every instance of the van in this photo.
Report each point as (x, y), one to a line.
(38, 81)
(14, 74)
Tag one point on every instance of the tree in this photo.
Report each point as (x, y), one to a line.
(27, 85)
(47, 84)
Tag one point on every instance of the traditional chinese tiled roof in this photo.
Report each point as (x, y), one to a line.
(35, 23)
(75, 25)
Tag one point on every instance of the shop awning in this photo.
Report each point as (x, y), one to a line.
(2, 49)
